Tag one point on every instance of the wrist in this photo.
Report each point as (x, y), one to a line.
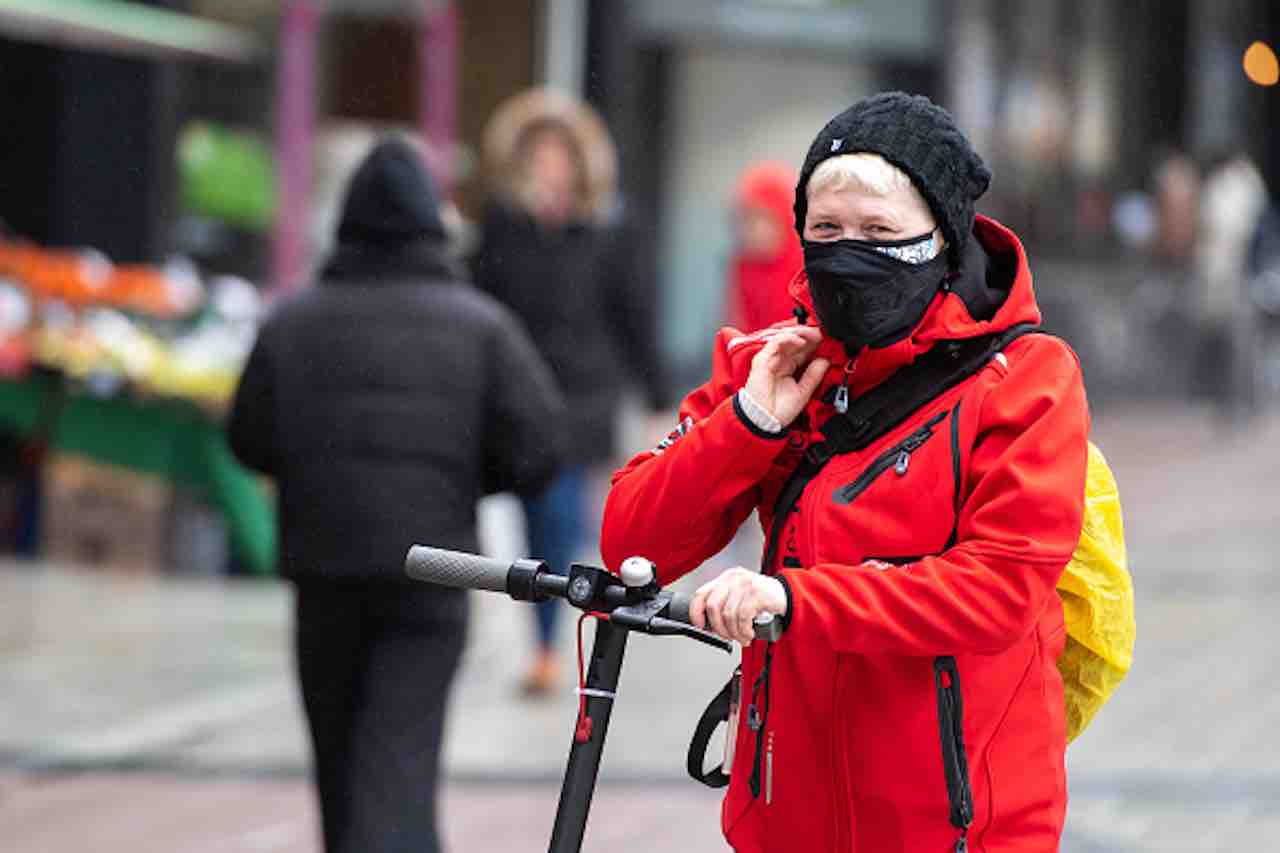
(785, 613)
(755, 412)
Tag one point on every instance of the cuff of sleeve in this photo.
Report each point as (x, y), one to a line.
(755, 417)
(786, 588)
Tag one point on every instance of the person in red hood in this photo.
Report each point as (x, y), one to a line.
(942, 540)
(768, 255)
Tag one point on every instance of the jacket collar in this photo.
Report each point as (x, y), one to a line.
(993, 283)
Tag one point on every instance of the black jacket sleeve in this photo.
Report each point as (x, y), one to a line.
(524, 437)
(632, 300)
(251, 425)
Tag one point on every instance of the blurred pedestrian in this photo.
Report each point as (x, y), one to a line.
(553, 248)
(1264, 290)
(914, 700)
(1177, 191)
(1232, 201)
(767, 254)
(385, 402)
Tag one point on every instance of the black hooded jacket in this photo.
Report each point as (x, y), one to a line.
(590, 315)
(385, 401)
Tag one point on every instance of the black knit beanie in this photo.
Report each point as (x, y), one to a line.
(921, 139)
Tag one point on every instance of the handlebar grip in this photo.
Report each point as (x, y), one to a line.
(456, 569)
(768, 627)
(678, 609)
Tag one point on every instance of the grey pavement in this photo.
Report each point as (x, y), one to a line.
(148, 812)
(137, 709)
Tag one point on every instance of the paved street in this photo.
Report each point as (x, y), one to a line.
(149, 715)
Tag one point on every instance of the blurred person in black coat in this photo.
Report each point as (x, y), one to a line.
(385, 402)
(552, 247)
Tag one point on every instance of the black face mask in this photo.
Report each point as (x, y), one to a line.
(865, 297)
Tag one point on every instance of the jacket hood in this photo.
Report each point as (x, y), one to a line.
(993, 283)
(506, 129)
(391, 200)
(770, 186)
(758, 295)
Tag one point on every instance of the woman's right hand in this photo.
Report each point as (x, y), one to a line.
(773, 383)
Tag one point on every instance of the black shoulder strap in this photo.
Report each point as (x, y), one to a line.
(716, 713)
(896, 399)
(883, 408)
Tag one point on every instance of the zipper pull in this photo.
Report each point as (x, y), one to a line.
(904, 461)
(842, 393)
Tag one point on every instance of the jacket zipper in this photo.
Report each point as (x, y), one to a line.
(897, 457)
(841, 401)
(955, 761)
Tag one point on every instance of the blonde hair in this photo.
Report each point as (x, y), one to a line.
(863, 171)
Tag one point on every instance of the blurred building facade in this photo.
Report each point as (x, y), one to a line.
(1074, 97)
(1074, 102)
(697, 91)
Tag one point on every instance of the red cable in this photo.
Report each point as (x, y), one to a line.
(582, 733)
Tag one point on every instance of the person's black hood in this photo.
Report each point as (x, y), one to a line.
(390, 226)
(391, 200)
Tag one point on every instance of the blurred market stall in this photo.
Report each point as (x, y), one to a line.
(139, 205)
(132, 365)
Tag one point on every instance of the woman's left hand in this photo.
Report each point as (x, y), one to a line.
(729, 604)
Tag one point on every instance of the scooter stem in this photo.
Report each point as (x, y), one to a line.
(584, 758)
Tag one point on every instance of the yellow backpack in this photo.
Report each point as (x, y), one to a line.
(1097, 602)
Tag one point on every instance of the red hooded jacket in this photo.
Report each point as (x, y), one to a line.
(852, 749)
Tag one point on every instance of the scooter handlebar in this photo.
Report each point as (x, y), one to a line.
(456, 569)
(472, 571)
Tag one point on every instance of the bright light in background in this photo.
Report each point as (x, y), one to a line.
(1260, 64)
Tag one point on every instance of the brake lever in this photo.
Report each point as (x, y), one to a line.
(643, 617)
(670, 627)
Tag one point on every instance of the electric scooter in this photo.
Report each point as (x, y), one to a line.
(621, 604)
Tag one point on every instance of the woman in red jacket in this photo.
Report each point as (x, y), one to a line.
(913, 702)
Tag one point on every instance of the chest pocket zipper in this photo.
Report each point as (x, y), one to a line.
(897, 457)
